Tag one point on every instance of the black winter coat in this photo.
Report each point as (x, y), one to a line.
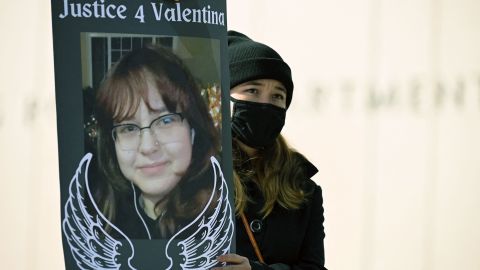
(287, 239)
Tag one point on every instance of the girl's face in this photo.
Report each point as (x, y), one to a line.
(164, 150)
(261, 91)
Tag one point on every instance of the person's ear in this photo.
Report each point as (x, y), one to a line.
(192, 135)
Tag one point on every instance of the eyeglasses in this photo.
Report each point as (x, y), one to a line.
(165, 129)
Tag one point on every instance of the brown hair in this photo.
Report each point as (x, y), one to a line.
(118, 98)
(276, 171)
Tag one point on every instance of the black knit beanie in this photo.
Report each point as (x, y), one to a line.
(251, 60)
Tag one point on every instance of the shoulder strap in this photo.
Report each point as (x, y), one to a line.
(252, 238)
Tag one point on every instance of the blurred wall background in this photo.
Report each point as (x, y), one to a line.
(386, 104)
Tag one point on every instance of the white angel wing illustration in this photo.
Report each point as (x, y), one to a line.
(91, 245)
(212, 231)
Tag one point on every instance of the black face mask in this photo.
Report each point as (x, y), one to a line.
(257, 124)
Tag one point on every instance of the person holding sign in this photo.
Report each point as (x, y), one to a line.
(279, 209)
(155, 139)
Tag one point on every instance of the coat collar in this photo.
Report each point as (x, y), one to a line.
(309, 169)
